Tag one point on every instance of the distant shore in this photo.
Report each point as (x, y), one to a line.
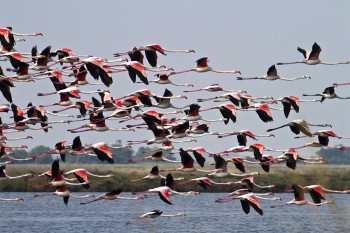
(332, 177)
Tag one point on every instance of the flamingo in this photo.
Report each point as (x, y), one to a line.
(251, 199)
(187, 163)
(215, 88)
(150, 51)
(164, 101)
(317, 144)
(202, 66)
(291, 102)
(135, 68)
(272, 75)
(73, 91)
(299, 125)
(328, 93)
(221, 164)
(4, 176)
(158, 156)
(263, 111)
(291, 157)
(154, 174)
(100, 149)
(204, 182)
(59, 148)
(113, 195)
(242, 136)
(323, 136)
(163, 78)
(155, 214)
(4, 154)
(228, 111)
(317, 192)
(84, 171)
(192, 114)
(248, 182)
(164, 193)
(312, 58)
(57, 177)
(299, 198)
(61, 191)
(7, 38)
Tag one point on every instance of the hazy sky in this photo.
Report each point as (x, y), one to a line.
(246, 35)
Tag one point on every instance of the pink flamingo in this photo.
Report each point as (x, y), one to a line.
(202, 66)
(312, 58)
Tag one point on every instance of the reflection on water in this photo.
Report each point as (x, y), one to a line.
(49, 214)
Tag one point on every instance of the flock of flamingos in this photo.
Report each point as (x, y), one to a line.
(69, 72)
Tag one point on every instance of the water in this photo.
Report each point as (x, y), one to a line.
(49, 214)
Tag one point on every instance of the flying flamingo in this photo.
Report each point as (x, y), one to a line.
(192, 114)
(263, 111)
(248, 182)
(291, 102)
(143, 95)
(228, 111)
(4, 176)
(251, 199)
(73, 90)
(57, 177)
(202, 66)
(299, 198)
(200, 129)
(154, 174)
(215, 88)
(163, 78)
(242, 136)
(221, 166)
(7, 38)
(98, 124)
(5, 154)
(312, 58)
(323, 136)
(61, 191)
(158, 156)
(155, 214)
(299, 125)
(59, 148)
(317, 192)
(204, 182)
(187, 163)
(291, 157)
(328, 93)
(272, 75)
(100, 149)
(164, 193)
(135, 68)
(317, 144)
(164, 101)
(83, 172)
(150, 51)
(113, 195)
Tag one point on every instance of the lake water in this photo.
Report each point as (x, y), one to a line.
(49, 214)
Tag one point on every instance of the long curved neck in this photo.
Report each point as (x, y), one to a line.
(296, 78)
(127, 198)
(226, 71)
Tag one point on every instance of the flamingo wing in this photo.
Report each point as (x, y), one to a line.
(152, 57)
(317, 195)
(253, 202)
(164, 196)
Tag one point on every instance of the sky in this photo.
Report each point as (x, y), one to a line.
(248, 36)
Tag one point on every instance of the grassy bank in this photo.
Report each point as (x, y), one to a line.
(333, 177)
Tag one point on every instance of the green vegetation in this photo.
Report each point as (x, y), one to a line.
(330, 176)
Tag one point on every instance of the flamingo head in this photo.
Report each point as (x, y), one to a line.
(183, 97)
(190, 51)
(38, 34)
(91, 195)
(19, 199)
